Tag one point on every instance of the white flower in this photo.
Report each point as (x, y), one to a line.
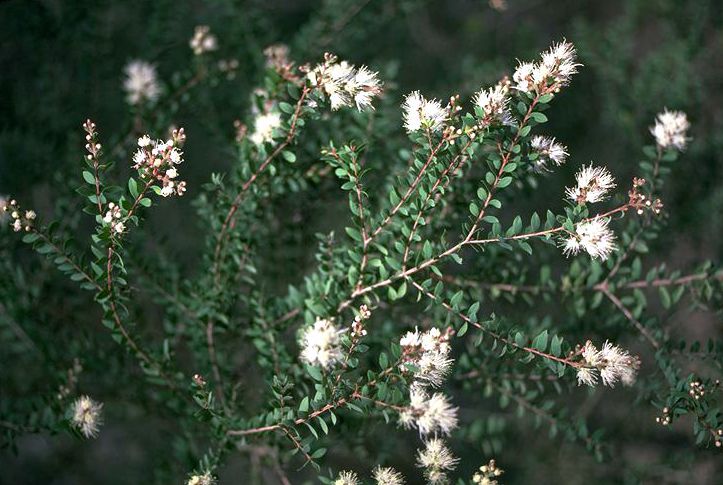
(264, 126)
(593, 184)
(558, 63)
(421, 113)
(428, 353)
(144, 141)
(387, 476)
(611, 363)
(670, 130)
(494, 104)
(141, 83)
(87, 416)
(347, 478)
(436, 459)
(167, 190)
(203, 40)
(205, 479)
(594, 237)
(320, 344)
(17, 225)
(430, 415)
(172, 173)
(344, 84)
(523, 76)
(548, 150)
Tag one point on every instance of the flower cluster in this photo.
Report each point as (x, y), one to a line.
(157, 160)
(487, 474)
(20, 220)
(321, 344)
(357, 326)
(670, 130)
(553, 71)
(640, 202)
(112, 218)
(264, 126)
(203, 40)
(493, 105)
(594, 237)
(141, 83)
(87, 416)
(345, 84)
(429, 414)
(387, 476)
(347, 478)
(427, 354)
(593, 185)
(611, 363)
(421, 113)
(205, 479)
(436, 460)
(547, 150)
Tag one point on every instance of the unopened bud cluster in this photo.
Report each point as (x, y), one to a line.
(487, 474)
(19, 220)
(203, 40)
(641, 202)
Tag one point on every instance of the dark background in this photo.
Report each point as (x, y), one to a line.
(62, 61)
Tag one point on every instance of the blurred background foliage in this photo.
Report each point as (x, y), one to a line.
(61, 62)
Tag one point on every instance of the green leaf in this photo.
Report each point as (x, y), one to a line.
(539, 117)
(314, 372)
(540, 342)
(304, 405)
(288, 156)
(462, 330)
(88, 177)
(504, 182)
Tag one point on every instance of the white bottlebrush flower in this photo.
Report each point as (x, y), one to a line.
(321, 345)
(611, 364)
(522, 77)
(436, 459)
(87, 416)
(593, 185)
(558, 63)
(344, 84)
(430, 415)
(203, 40)
(548, 150)
(594, 237)
(347, 478)
(494, 104)
(428, 353)
(141, 83)
(421, 113)
(264, 126)
(670, 130)
(387, 476)
(205, 479)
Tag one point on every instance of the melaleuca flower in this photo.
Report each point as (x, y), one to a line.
(670, 130)
(347, 478)
(547, 150)
(203, 40)
(554, 71)
(436, 460)
(487, 474)
(494, 104)
(321, 345)
(158, 160)
(344, 84)
(522, 77)
(87, 416)
(593, 184)
(428, 353)
(611, 363)
(141, 83)
(205, 479)
(387, 476)
(420, 113)
(430, 415)
(264, 126)
(594, 237)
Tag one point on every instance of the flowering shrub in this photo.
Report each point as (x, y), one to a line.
(406, 315)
